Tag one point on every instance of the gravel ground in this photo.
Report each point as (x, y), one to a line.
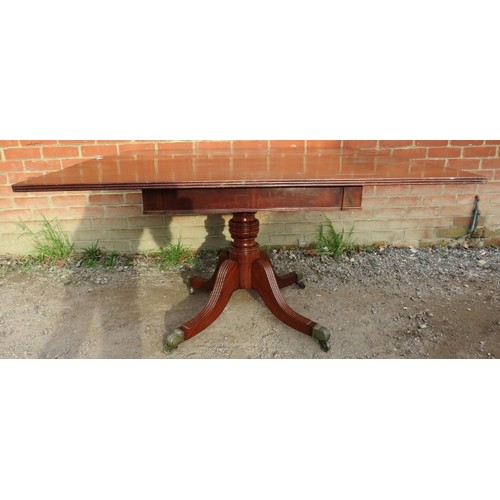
(389, 303)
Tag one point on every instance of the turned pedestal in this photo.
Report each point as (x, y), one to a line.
(245, 266)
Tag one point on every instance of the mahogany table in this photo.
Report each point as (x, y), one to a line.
(243, 183)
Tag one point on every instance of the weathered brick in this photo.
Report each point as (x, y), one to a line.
(60, 152)
(359, 144)
(444, 152)
(99, 150)
(107, 199)
(21, 153)
(395, 143)
(432, 142)
(146, 146)
(480, 151)
(467, 143)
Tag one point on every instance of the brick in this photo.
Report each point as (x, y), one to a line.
(107, 199)
(394, 201)
(86, 211)
(16, 214)
(41, 166)
(463, 163)
(250, 145)
(147, 221)
(396, 143)
(335, 145)
(432, 143)
(146, 146)
(386, 236)
(103, 222)
(98, 150)
(452, 232)
(5, 190)
(22, 153)
(179, 146)
(479, 151)
(459, 188)
(123, 211)
(71, 141)
(465, 199)
(490, 163)
(90, 235)
(292, 145)
(15, 177)
(423, 212)
(76, 225)
(125, 234)
(444, 152)
(37, 143)
(438, 200)
(410, 153)
(493, 142)
(359, 144)
(133, 198)
(60, 151)
(435, 189)
(467, 143)
(391, 213)
(6, 202)
(4, 144)
(31, 201)
(455, 210)
(50, 213)
(389, 190)
(213, 145)
(70, 200)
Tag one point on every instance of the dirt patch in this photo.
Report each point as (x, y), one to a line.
(393, 303)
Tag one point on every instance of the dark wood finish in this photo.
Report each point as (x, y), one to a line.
(245, 266)
(232, 200)
(242, 184)
(352, 197)
(254, 169)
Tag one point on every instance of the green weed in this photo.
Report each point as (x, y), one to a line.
(50, 244)
(91, 255)
(175, 254)
(332, 242)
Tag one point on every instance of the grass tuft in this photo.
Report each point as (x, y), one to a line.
(175, 254)
(332, 242)
(50, 244)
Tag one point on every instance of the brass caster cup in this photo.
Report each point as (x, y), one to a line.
(322, 335)
(173, 340)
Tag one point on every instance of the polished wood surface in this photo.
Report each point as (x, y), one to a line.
(223, 169)
(242, 184)
(245, 199)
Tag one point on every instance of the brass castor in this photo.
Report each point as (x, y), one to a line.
(300, 281)
(173, 340)
(187, 281)
(322, 335)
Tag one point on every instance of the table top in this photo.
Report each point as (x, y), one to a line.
(253, 168)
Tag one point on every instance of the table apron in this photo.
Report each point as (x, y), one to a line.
(250, 199)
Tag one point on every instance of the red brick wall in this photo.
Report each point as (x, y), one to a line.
(400, 215)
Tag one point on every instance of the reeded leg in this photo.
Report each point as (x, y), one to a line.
(207, 284)
(264, 281)
(286, 279)
(226, 282)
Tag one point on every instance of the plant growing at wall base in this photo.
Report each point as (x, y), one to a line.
(91, 255)
(50, 243)
(175, 254)
(332, 242)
